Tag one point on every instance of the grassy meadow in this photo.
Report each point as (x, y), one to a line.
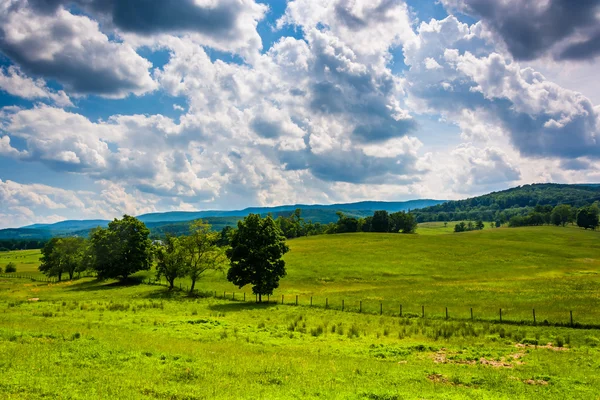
(90, 340)
(87, 339)
(553, 270)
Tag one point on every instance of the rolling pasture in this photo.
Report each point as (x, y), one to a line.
(553, 270)
(89, 339)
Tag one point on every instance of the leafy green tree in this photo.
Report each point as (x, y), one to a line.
(380, 222)
(171, 259)
(460, 227)
(561, 215)
(121, 249)
(257, 247)
(10, 268)
(345, 224)
(498, 224)
(587, 218)
(50, 260)
(62, 256)
(479, 225)
(202, 252)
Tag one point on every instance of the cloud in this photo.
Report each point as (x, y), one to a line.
(372, 27)
(484, 167)
(564, 29)
(23, 204)
(14, 82)
(72, 50)
(228, 25)
(541, 118)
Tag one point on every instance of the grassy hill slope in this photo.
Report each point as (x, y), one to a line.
(552, 269)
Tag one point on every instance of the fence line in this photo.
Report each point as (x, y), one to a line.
(343, 305)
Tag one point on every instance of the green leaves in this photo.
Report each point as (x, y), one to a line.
(255, 255)
(122, 249)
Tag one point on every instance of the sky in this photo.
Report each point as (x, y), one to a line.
(110, 107)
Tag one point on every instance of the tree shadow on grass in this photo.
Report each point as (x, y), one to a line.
(241, 306)
(98, 285)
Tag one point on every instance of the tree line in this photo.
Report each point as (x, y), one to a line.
(381, 221)
(586, 217)
(504, 205)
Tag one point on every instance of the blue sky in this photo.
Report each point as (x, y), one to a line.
(237, 103)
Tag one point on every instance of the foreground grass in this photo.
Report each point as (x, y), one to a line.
(103, 340)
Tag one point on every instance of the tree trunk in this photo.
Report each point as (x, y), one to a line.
(192, 287)
(71, 273)
(59, 276)
(171, 284)
(260, 298)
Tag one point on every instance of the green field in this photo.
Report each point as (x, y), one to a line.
(550, 269)
(91, 340)
(88, 339)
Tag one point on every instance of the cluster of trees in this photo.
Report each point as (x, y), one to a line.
(585, 217)
(9, 268)
(381, 221)
(254, 252)
(121, 249)
(295, 226)
(470, 226)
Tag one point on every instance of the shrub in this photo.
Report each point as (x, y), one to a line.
(10, 268)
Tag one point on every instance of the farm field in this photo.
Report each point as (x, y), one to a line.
(89, 340)
(550, 269)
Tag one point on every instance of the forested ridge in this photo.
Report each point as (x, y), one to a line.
(519, 201)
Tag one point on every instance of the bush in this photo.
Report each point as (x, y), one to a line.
(10, 268)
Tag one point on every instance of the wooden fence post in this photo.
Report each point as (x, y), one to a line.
(296, 299)
(400, 309)
(571, 312)
(311, 301)
(380, 308)
(423, 311)
(360, 307)
(326, 302)
(471, 313)
(446, 312)
(342, 304)
(534, 316)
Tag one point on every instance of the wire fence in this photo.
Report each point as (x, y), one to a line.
(355, 306)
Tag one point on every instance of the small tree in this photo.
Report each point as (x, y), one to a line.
(171, 259)
(10, 268)
(255, 255)
(479, 225)
(587, 218)
(202, 252)
(561, 215)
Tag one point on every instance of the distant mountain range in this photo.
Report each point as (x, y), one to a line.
(172, 220)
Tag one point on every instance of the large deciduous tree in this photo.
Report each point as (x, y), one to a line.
(122, 249)
(257, 248)
(62, 256)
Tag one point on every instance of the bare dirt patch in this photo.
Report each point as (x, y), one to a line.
(548, 346)
(441, 357)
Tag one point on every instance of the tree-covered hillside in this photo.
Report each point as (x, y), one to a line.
(503, 205)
